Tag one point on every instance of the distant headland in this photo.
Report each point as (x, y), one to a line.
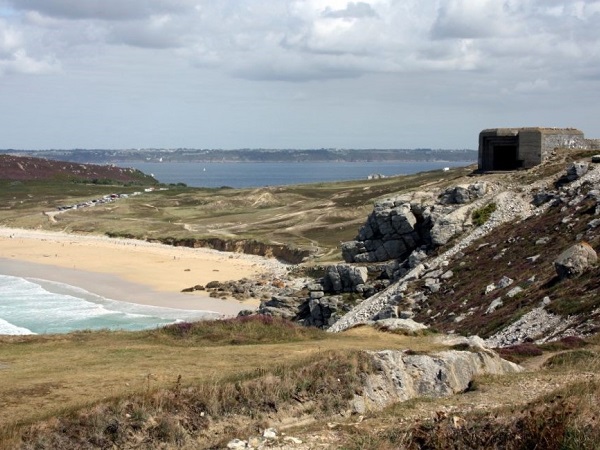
(187, 155)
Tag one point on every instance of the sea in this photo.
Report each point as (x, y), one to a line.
(33, 306)
(253, 174)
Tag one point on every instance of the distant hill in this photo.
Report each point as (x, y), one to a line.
(25, 168)
(250, 155)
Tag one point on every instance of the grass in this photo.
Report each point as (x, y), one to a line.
(60, 375)
(180, 416)
(565, 417)
(313, 217)
(482, 215)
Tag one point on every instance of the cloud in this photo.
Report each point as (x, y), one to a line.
(468, 19)
(15, 59)
(358, 10)
(304, 40)
(101, 9)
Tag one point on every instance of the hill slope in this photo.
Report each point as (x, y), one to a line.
(23, 168)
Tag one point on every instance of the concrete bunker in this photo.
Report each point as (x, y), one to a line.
(516, 148)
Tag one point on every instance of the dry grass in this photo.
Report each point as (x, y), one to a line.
(554, 408)
(312, 217)
(46, 376)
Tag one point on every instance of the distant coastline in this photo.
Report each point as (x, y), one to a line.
(111, 156)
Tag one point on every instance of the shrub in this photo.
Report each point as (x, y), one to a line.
(242, 330)
(482, 215)
(572, 359)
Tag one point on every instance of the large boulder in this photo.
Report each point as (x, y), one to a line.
(577, 170)
(402, 375)
(390, 232)
(344, 278)
(281, 306)
(575, 260)
(446, 226)
(463, 194)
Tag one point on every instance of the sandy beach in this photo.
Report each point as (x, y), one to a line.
(129, 270)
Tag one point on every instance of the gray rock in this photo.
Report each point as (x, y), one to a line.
(489, 288)
(317, 294)
(395, 324)
(447, 275)
(577, 170)
(497, 303)
(446, 226)
(541, 197)
(416, 257)
(270, 433)
(344, 278)
(593, 224)
(237, 444)
(388, 312)
(504, 282)
(406, 315)
(514, 291)
(576, 260)
(432, 284)
(401, 376)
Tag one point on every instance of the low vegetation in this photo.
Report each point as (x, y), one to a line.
(206, 414)
(482, 215)
(310, 218)
(81, 382)
(565, 417)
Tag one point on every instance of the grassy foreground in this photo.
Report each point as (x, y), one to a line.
(199, 386)
(44, 377)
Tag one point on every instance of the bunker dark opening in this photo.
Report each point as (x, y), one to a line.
(505, 157)
(501, 153)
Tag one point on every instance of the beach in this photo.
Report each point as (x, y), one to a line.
(130, 270)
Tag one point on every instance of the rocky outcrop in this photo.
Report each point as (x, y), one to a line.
(575, 260)
(577, 170)
(344, 278)
(509, 206)
(397, 226)
(402, 375)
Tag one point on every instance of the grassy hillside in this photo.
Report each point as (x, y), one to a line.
(23, 168)
(313, 217)
(199, 386)
(58, 376)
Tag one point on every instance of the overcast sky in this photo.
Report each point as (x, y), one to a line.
(293, 74)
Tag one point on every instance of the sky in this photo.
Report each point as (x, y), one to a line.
(293, 73)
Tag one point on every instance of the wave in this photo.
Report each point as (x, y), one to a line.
(37, 306)
(9, 328)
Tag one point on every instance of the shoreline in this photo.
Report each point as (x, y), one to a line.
(128, 270)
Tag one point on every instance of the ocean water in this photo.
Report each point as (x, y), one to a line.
(29, 306)
(250, 174)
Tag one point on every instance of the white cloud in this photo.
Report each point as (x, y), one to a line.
(102, 9)
(352, 10)
(469, 54)
(14, 57)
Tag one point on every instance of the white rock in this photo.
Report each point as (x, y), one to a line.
(237, 444)
(270, 433)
